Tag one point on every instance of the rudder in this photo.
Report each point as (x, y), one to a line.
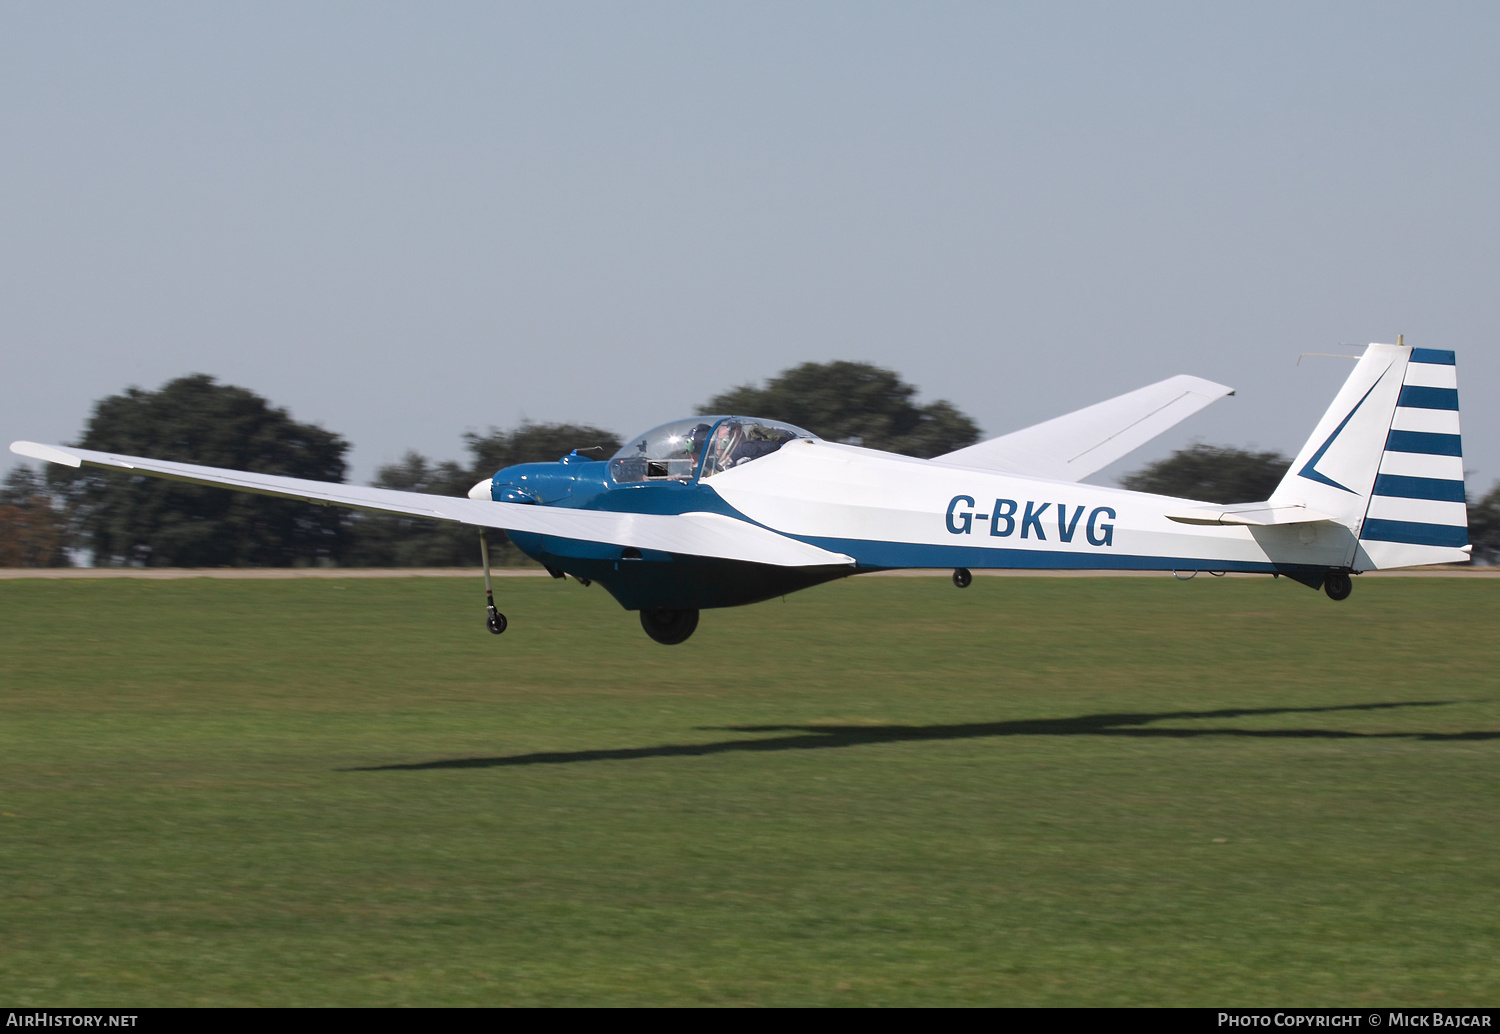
(1386, 461)
(1417, 513)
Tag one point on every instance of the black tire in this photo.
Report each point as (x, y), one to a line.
(496, 622)
(962, 577)
(1337, 585)
(667, 626)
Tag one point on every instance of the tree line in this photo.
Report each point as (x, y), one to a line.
(124, 520)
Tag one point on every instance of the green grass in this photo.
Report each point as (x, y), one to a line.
(884, 791)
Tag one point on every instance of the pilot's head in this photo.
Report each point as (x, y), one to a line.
(697, 438)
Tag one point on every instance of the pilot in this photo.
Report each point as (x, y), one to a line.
(695, 440)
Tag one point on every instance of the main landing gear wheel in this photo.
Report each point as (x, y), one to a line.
(496, 622)
(1337, 585)
(667, 626)
(962, 577)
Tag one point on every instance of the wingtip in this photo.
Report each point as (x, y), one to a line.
(49, 453)
(1214, 388)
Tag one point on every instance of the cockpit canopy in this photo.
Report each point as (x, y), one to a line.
(699, 447)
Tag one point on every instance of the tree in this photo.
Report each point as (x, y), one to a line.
(393, 540)
(1212, 473)
(856, 403)
(32, 532)
(536, 443)
(396, 541)
(1484, 527)
(148, 521)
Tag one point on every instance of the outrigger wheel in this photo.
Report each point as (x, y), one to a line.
(667, 626)
(496, 621)
(1337, 585)
(962, 577)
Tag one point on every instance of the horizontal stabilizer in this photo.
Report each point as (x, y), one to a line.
(1071, 447)
(1257, 515)
(692, 534)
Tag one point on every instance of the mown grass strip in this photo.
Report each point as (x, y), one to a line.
(884, 791)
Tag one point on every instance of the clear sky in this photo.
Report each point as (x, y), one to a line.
(404, 221)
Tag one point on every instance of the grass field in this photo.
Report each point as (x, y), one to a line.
(884, 791)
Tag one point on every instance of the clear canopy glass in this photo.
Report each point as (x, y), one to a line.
(739, 440)
(676, 451)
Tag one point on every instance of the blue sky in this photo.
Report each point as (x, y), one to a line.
(408, 221)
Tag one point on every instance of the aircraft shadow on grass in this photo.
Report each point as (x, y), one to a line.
(824, 737)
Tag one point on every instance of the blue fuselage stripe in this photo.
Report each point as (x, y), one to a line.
(872, 553)
(1424, 442)
(1435, 356)
(1415, 396)
(1403, 487)
(1414, 533)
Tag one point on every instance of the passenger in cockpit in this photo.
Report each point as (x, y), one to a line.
(727, 440)
(752, 447)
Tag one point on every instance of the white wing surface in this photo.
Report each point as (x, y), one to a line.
(695, 534)
(1071, 447)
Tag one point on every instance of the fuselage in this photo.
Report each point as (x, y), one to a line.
(888, 511)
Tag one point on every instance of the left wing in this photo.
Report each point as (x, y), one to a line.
(1073, 446)
(694, 534)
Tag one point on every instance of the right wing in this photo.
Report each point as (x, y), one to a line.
(695, 534)
(1071, 447)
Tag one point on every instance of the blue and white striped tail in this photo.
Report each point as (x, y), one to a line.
(1417, 513)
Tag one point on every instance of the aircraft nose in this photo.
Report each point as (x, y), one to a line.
(481, 490)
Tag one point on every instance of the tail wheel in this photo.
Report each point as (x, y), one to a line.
(962, 577)
(667, 626)
(1337, 585)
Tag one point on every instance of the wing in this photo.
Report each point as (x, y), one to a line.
(1071, 447)
(694, 534)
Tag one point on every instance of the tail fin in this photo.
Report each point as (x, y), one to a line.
(1386, 461)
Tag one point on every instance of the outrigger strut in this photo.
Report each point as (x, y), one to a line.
(496, 620)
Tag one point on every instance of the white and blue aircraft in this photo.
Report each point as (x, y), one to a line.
(718, 511)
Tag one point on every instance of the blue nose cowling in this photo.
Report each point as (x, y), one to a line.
(572, 479)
